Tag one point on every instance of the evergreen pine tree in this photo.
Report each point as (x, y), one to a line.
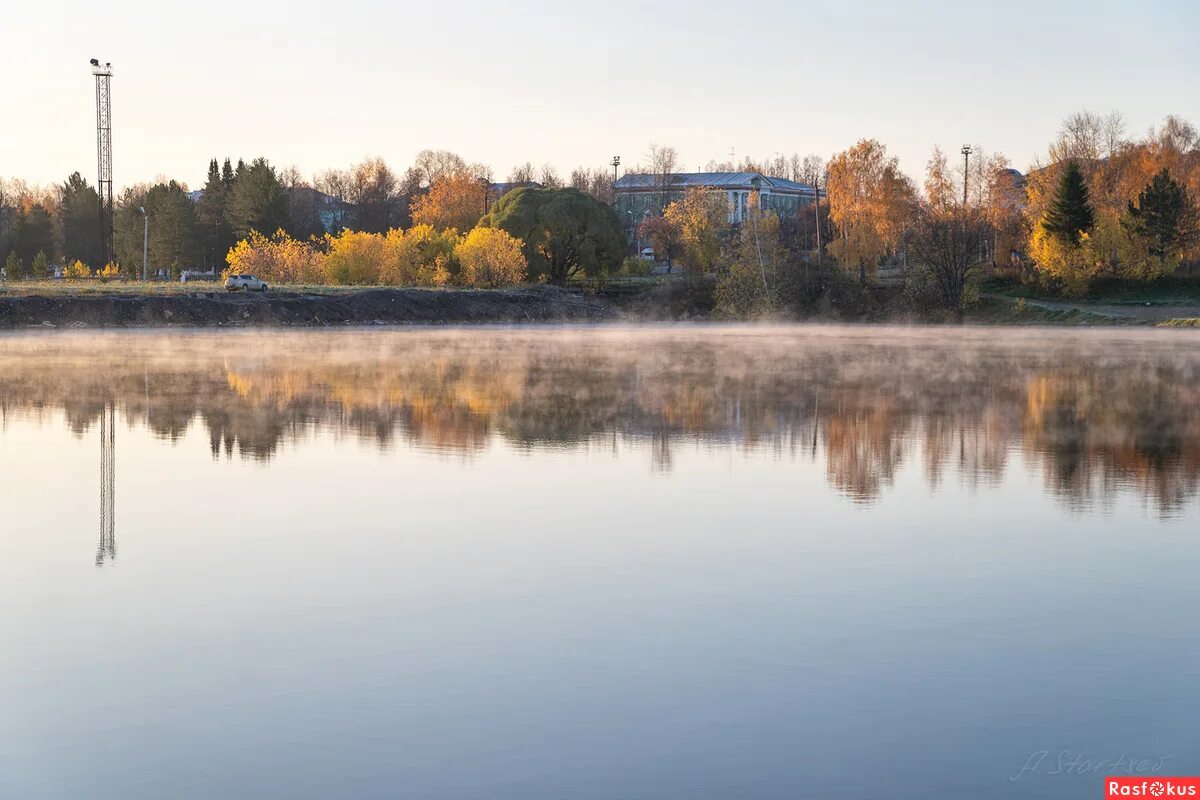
(227, 173)
(14, 270)
(257, 201)
(215, 235)
(1164, 217)
(41, 266)
(1070, 213)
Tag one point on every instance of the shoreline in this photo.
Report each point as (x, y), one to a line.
(302, 307)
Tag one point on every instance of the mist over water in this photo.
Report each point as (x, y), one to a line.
(596, 562)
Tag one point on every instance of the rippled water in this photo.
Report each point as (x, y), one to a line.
(668, 562)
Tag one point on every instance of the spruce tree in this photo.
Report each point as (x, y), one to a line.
(215, 235)
(257, 201)
(1070, 213)
(14, 270)
(1164, 217)
(227, 173)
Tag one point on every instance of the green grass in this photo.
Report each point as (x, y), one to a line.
(1167, 291)
(1000, 311)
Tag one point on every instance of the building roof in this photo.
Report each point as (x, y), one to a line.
(634, 181)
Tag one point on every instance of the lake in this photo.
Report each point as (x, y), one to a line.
(657, 562)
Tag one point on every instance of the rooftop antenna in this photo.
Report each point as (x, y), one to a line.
(104, 181)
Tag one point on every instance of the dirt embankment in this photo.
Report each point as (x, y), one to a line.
(209, 308)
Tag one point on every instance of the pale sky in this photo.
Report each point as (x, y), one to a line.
(322, 85)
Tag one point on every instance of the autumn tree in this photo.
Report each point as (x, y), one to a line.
(664, 235)
(702, 218)
(870, 203)
(454, 201)
(421, 255)
(565, 231)
(355, 258)
(279, 259)
(490, 257)
(750, 286)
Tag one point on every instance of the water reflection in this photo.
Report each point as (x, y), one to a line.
(1096, 412)
(107, 549)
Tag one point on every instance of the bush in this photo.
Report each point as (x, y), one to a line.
(490, 257)
(77, 271)
(633, 267)
(278, 259)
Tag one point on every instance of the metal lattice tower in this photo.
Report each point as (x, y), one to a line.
(104, 182)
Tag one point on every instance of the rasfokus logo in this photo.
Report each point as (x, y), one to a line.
(1137, 786)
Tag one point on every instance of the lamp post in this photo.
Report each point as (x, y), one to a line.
(966, 151)
(616, 162)
(145, 241)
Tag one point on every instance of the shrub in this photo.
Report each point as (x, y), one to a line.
(77, 271)
(490, 257)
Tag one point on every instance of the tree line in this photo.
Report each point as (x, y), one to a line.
(1099, 204)
(41, 226)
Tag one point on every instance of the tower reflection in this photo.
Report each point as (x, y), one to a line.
(107, 549)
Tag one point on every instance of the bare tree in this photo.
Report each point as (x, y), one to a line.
(434, 165)
(945, 247)
(664, 162)
(549, 177)
(522, 173)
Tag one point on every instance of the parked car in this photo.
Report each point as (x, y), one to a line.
(246, 283)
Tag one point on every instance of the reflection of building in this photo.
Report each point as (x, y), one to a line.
(107, 551)
(640, 195)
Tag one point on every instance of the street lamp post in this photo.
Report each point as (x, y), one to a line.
(966, 151)
(145, 241)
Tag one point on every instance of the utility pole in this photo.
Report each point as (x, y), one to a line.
(966, 151)
(104, 181)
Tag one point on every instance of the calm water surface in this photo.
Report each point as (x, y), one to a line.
(598, 563)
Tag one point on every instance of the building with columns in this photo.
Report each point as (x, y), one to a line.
(641, 195)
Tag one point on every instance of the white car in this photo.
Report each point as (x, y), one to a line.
(246, 283)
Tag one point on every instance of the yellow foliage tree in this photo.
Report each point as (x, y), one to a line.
(429, 255)
(110, 272)
(490, 257)
(702, 217)
(356, 258)
(1073, 266)
(455, 201)
(76, 271)
(279, 259)
(870, 203)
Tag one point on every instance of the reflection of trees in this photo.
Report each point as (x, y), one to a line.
(1093, 413)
